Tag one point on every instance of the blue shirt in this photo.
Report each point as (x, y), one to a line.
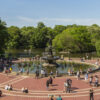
(59, 98)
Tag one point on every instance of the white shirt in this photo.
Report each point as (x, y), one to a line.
(96, 63)
(6, 87)
(96, 79)
(90, 79)
(23, 89)
(9, 87)
(42, 72)
(65, 84)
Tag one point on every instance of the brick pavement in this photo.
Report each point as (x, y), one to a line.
(37, 88)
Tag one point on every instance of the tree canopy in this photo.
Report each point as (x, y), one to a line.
(73, 38)
(3, 36)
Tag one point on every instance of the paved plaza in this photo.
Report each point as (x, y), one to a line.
(37, 88)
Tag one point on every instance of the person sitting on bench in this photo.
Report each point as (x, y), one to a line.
(25, 90)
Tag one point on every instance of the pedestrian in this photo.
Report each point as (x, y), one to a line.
(78, 75)
(69, 85)
(47, 84)
(42, 73)
(91, 94)
(57, 73)
(50, 80)
(65, 86)
(96, 81)
(59, 97)
(69, 72)
(90, 80)
(21, 71)
(86, 76)
(37, 74)
(27, 72)
(51, 73)
(10, 69)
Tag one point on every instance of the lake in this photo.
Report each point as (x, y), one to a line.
(34, 52)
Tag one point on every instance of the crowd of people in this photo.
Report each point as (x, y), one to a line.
(5, 65)
(67, 86)
(93, 80)
(43, 73)
(40, 74)
(10, 88)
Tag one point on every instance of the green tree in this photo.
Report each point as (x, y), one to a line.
(40, 25)
(39, 38)
(27, 33)
(59, 29)
(95, 37)
(97, 44)
(75, 39)
(65, 42)
(3, 36)
(14, 37)
(82, 38)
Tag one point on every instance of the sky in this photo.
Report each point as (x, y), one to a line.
(51, 12)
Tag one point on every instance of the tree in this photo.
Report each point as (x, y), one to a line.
(97, 44)
(39, 39)
(76, 39)
(64, 42)
(14, 37)
(3, 36)
(27, 33)
(59, 29)
(95, 37)
(40, 25)
(82, 38)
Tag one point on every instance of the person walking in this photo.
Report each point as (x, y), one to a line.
(37, 74)
(27, 71)
(90, 80)
(50, 80)
(47, 84)
(96, 81)
(91, 94)
(66, 87)
(51, 73)
(86, 76)
(78, 75)
(69, 85)
(57, 73)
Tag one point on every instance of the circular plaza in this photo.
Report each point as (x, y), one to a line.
(38, 91)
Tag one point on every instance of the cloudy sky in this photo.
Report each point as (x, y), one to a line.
(51, 12)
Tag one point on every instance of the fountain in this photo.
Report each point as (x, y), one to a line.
(50, 59)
